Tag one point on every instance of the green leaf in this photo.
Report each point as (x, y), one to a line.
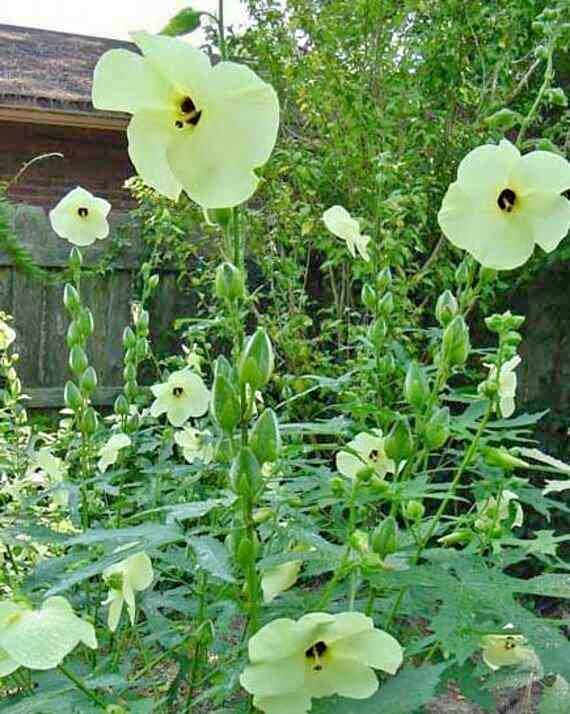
(409, 689)
(212, 557)
(183, 23)
(555, 697)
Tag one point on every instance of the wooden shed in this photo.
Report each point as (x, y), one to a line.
(45, 107)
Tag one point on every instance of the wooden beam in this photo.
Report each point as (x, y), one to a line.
(52, 397)
(60, 117)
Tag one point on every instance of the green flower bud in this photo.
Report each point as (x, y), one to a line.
(142, 322)
(226, 407)
(513, 338)
(89, 421)
(265, 439)
(436, 430)
(337, 486)
(129, 338)
(75, 260)
(365, 474)
(71, 299)
(153, 281)
(133, 423)
(386, 305)
(74, 334)
(78, 362)
(463, 536)
(246, 553)
(378, 331)
(359, 541)
(446, 308)
(503, 459)
(72, 396)
(229, 282)
(368, 296)
(88, 381)
(121, 406)
(502, 324)
(455, 343)
(384, 279)
(413, 510)
(416, 386)
(556, 96)
(130, 373)
(261, 515)
(399, 444)
(131, 391)
(503, 120)
(256, 362)
(245, 473)
(385, 537)
(85, 321)
(463, 272)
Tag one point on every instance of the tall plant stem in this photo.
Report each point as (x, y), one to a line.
(221, 30)
(548, 74)
(81, 686)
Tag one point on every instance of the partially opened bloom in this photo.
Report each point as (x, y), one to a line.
(341, 224)
(182, 396)
(280, 578)
(317, 656)
(505, 650)
(506, 384)
(195, 127)
(80, 217)
(196, 445)
(367, 451)
(492, 512)
(124, 579)
(503, 203)
(7, 335)
(109, 452)
(40, 639)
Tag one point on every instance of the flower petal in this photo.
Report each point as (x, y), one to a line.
(276, 677)
(487, 167)
(139, 571)
(150, 134)
(292, 703)
(549, 216)
(346, 677)
(277, 640)
(124, 81)
(279, 579)
(348, 464)
(66, 226)
(374, 648)
(541, 171)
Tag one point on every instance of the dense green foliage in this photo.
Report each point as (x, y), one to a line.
(356, 453)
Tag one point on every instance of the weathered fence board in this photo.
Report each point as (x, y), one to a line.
(41, 321)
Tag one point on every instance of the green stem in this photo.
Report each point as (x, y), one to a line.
(221, 30)
(548, 74)
(81, 686)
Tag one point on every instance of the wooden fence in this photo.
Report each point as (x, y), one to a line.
(41, 321)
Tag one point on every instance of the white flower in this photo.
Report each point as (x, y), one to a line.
(184, 395)
(369, 452)
(124, 579)
(341, 224)
(40, 639)
(195, 127)
(317, 656)
(505, 650)
(195, 444)
(492, 512)
(109, 453)
(7, 336)
(507, 384)
(80, 217)
(48, 470)
(503, 203)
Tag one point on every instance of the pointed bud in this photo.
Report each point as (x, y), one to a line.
(377, 332)
(416, 386)
(153, 281)
(386, 305)
(71, 299)
(226, 407)
(74, 334)
(384, 279)
(85, 321)
(256, 361)
(121, 406)
(72, 396)
(129, 338)
(245, 473)
(455, 343)
(229, 282)
(265, 439)
(88, 382)
(368, 296)
(399, 444)
(503, 459)
(436, 430)
(385, 537)
(75, 260)
(78, 362)
(89, 421)
(359, 541)
(463, 272)
(446, 308)
(413, 510)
